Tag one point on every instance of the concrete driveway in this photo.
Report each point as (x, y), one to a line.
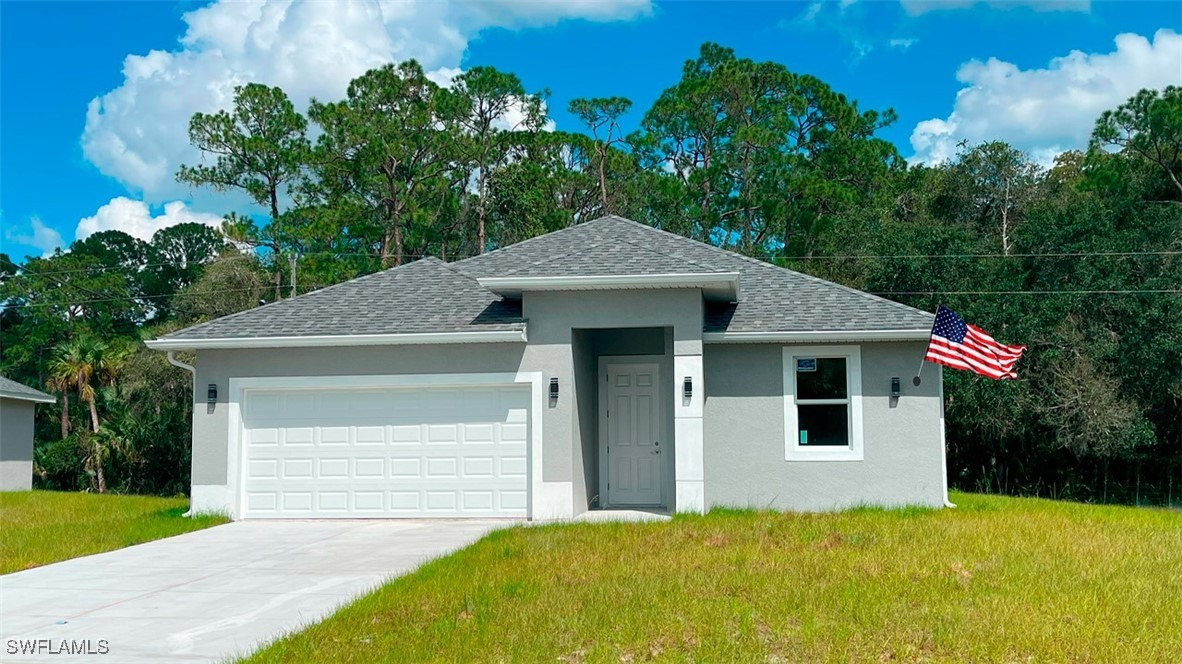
(215, 593)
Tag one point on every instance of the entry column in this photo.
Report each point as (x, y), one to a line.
(688, 396)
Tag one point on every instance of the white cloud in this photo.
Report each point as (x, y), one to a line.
(138, 132)
(917, 7)
(135, 218)
(902, 43)
(1046, 111)
(811, 12)
(844, 18)
(39, 236)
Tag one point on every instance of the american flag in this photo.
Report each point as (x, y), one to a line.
(954, 343)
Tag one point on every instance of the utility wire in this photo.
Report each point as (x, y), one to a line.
(1034, 292)
(57, 281)
(311, 288)
(135, 298)
(105, 268)
(1091, 254)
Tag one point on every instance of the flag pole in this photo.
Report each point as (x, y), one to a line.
(917, 380)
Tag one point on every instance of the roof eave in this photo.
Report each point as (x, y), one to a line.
(809, 336)
(24, 396)
(715, 286)
(426, 338)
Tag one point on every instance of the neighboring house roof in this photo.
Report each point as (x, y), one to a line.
(431, 297)
(10, 389)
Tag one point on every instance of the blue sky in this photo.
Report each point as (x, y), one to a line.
(90, 137)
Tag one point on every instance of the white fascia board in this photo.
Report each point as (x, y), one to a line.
(494, 336)
(815, 335)
(514, 286)
(23, 396)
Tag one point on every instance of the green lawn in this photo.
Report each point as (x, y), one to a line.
(41, 527)
(996, 580)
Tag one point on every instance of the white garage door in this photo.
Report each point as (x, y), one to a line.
(386, 452)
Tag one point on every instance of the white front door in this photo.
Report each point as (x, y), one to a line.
(635, 451)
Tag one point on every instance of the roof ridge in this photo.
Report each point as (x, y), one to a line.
(236, 314)
(498, 250)
(450, 267)
(667, 254)
(551, 259)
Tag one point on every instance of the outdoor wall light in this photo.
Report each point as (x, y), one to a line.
(896, 390)
(554, 388)
(687, 387)
(211, 396)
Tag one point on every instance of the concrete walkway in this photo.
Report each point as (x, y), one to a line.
(216, 593)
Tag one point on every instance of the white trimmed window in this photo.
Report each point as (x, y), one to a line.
(823, 403)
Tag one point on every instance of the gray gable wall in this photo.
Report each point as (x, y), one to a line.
(432, 296)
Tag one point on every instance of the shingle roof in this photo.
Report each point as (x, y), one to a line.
(10, 389)
(773, 299)
(423, 296)
(431, 296)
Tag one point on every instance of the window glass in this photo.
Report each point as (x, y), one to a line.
(823, 425)
(827, 382)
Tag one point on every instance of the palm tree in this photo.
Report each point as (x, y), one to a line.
(82, 365)
(58, 383)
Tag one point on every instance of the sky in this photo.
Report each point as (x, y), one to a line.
(95, 97)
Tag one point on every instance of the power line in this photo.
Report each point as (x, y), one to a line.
(57, 281)
(136, 298)
(1034, 292)
(105, 268)
(314, 287)
(1091, 254)
(337, 254)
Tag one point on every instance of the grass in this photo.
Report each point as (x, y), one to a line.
(995, 580)
(42, 527)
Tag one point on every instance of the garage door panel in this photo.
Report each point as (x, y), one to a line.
(297, 468)
(333, 501)
(478, 466)
(262, 469)
(406, 467)
(369, 467)
(478, 433)
(371, 435)
(400, 452)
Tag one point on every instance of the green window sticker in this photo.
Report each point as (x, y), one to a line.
(804, 437)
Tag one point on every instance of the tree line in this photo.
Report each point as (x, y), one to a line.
(1078, 260)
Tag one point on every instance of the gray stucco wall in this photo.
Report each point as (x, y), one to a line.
(585, 476)
(218, 366)
(552, 319)
(743, 417)
(16, 444)
(744, 434)
(553, 316)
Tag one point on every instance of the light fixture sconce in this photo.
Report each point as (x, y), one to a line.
(211, 396)
(554, 389)
(896, 390)
(687, 387)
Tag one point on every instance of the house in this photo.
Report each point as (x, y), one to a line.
(17, 403)
(605, 365)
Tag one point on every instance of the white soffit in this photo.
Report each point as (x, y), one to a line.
(716, 286)
(807, 336)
